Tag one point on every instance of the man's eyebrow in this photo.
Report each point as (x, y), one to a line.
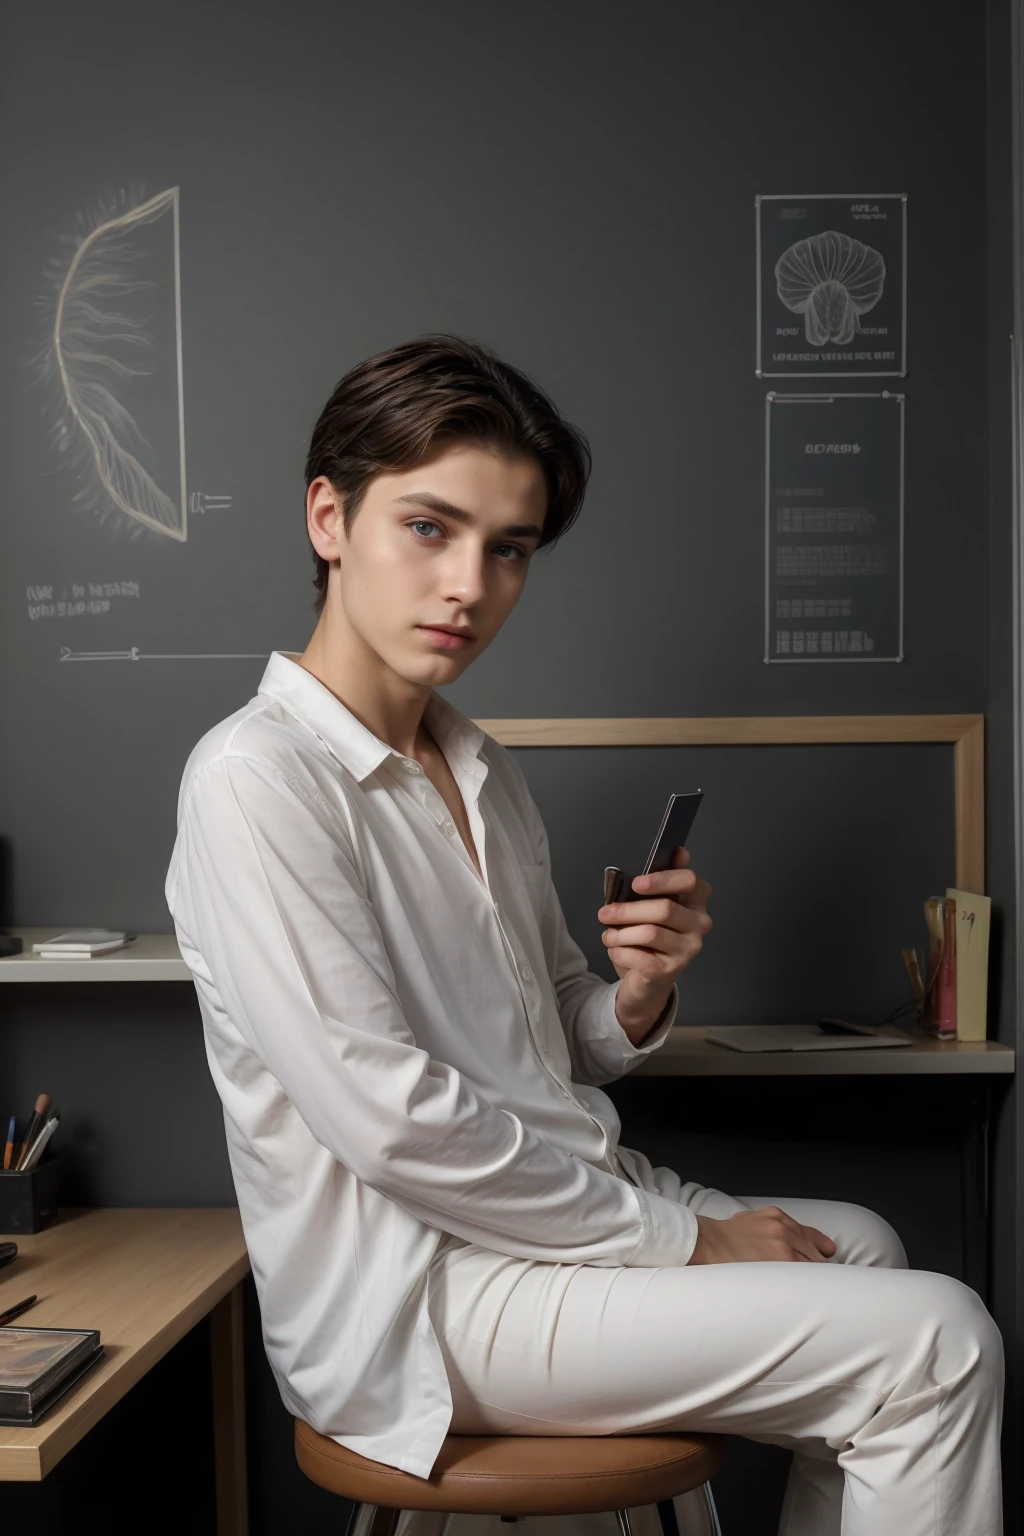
(460, 515)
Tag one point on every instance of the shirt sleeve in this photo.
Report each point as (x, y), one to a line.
(267, 891)
(599, 1048)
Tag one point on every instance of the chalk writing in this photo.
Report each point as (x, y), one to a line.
(47, 601)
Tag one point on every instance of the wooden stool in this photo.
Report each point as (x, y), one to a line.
(512, 1475)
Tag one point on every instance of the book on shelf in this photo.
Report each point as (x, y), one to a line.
(81, 944)
(973, 922)
(38, 1365)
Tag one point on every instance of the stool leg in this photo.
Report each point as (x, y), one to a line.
(667, 1516)
(712, 1511)
(624, 1525)
(372, 1520)
(360, 1520)
(669, 1523)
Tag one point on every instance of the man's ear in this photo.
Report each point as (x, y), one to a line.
(324, 520)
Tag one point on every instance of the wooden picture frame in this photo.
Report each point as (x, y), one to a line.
(966, 733)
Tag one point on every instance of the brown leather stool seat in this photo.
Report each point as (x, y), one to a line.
(521, 1474)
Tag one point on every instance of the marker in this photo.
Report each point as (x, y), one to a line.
(17, 1310)
(35, 1125)
(9, 1149)
(37, 1148)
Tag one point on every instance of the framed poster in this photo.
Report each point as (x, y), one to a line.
(833, 527)
(831, 286)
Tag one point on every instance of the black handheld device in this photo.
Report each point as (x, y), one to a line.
(674, 830)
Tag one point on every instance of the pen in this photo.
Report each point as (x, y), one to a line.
(35, 1125)
(9, 1149)
(37, 1148)
(17, 1310)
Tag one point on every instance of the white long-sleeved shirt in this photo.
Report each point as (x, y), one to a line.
(403, 1049)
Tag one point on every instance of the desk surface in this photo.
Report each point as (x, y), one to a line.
(688, 1053)
(142, 1277)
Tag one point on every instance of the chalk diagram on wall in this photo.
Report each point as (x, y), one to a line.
(113, 366)
(111, 363)
(831, 279)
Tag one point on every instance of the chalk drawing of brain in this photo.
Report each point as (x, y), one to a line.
(830, 279)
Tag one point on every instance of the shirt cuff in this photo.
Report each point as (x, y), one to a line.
(657, 1035)
(670, 1233)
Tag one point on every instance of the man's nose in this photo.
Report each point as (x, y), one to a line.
(464, 576)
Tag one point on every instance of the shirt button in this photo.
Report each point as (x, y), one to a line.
(411, 765)
(449, 827)
(526, 973)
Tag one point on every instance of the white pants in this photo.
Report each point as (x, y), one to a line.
(886, 1382)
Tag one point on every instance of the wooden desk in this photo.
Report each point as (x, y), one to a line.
(143, 1278)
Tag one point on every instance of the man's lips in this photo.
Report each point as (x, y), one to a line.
(446, 629)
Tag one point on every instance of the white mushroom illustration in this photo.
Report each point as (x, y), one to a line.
(831, 279)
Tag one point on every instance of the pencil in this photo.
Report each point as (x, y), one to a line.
(9, 1149)
(17, 1309)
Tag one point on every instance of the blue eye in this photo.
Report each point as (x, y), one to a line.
(424, 522)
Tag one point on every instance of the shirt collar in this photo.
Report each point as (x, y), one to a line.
(351, 742)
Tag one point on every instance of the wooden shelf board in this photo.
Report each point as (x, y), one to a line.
(149, 957)
(688, 1053)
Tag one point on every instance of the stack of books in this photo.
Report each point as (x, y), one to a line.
(82, 944)
(38, 1365)
(951, 987)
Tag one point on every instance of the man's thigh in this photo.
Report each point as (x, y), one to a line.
(784, 1352)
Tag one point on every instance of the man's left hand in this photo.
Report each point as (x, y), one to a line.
(651, 942)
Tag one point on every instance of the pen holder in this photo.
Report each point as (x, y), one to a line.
(28, 1201)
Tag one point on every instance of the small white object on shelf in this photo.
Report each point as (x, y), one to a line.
(149, 957)
(800, 1037)
(82, 943)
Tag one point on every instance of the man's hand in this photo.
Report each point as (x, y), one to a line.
(655, 940)
(767, 1233)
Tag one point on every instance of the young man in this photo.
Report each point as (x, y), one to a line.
(444, 1230)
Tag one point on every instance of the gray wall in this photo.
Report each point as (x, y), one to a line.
(573, 184)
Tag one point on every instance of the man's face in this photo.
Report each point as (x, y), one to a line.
(412, 561)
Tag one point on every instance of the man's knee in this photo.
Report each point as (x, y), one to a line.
(973, 1316)
(884, 1241)
(868, 1238)
(963, 1322)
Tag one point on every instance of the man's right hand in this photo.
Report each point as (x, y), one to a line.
(767, 1233)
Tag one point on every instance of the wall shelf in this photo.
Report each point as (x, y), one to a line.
(687, 1052)
(149, 957)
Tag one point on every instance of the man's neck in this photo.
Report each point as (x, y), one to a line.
(388, 705)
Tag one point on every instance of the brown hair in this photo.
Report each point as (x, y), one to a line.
(389, 413)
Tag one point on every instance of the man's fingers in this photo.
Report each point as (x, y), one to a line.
(651, 931)
(807, 1243)
(813, 1244)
